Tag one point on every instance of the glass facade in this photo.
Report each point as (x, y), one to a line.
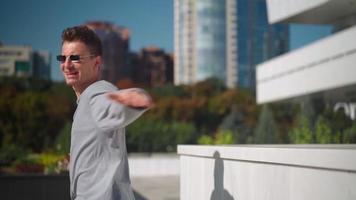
(257, 40)
(210, 39)
(185, 36)
(205, 40)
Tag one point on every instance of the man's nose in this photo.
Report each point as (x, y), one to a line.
(67, 63)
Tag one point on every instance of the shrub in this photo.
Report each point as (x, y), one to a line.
(349, 135)
(221, 137)
(146, 135)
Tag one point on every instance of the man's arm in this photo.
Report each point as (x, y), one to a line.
(118, 109)
(134, 98)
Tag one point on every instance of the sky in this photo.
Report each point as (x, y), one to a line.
(39, 23)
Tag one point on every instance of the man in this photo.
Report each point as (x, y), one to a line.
(98, 166)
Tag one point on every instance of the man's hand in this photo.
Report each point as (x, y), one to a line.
(132, 98)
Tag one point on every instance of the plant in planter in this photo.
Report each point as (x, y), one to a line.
(28, 164)
(47, 163)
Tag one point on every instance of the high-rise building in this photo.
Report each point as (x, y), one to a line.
(224, 39)
(257, 41)
(115, 42)
(152, 67)
(41, 64)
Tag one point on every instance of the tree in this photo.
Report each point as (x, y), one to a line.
(266, 130)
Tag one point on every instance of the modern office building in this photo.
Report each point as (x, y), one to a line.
(224, 39)
(151, 67)
(324, 69)
(23, 61)
(42, 64)
(115, 42)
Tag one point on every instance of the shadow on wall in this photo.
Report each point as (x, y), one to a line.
(219, 192)
(138, 196)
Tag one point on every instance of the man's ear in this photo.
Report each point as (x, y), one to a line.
(98, 62)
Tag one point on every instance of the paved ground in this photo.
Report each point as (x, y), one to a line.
(156, 188)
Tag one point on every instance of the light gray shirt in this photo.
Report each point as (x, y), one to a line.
(98, 165)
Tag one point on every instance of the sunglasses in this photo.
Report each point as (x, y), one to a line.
(72, 58)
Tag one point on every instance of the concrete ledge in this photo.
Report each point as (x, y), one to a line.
(275, 172)
(336, 157)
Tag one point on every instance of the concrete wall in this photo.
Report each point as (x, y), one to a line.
(285, 172)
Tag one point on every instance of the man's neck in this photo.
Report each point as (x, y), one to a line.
(79, 89)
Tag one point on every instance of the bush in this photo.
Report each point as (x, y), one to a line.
(9, 153)
(349, 135)
(266, 131)
(302, 134)
(147, 135)
(221, 137)
(324, 133)
(62, 143)
(47, 163)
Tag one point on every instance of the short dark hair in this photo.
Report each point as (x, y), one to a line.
(83, 34)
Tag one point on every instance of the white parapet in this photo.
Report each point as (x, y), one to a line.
(268, 172)
(324, 65)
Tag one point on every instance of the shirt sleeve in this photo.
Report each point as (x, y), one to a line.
(111, 115)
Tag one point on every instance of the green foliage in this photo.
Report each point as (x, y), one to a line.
(36, 115)
(324, 133)
(51, 162)
(329, 127)
(302, 134)
(47, 163)
(208, 88)
(224, 137)
(9, 153)
(284, 115)
(266, 131)
(221, 137)
(62, 143)
(146, 135)
(169, 91)
(235, 121)
(349, 135)
(32, 112)
(206, 139)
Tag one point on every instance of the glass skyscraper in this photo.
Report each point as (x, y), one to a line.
(257, 40)
(224, 39)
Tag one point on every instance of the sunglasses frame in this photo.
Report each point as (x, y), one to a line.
(72, 58)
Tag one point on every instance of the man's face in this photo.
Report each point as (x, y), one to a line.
(79, 73)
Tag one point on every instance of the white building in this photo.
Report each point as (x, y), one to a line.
(15, 60)
(23, 61)
(325, 68)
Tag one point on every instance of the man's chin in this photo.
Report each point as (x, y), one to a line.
(71, 82)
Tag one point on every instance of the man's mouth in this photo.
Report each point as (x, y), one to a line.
(70, 74)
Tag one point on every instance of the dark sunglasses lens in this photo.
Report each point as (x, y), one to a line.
(61, 58)
(74, 57)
